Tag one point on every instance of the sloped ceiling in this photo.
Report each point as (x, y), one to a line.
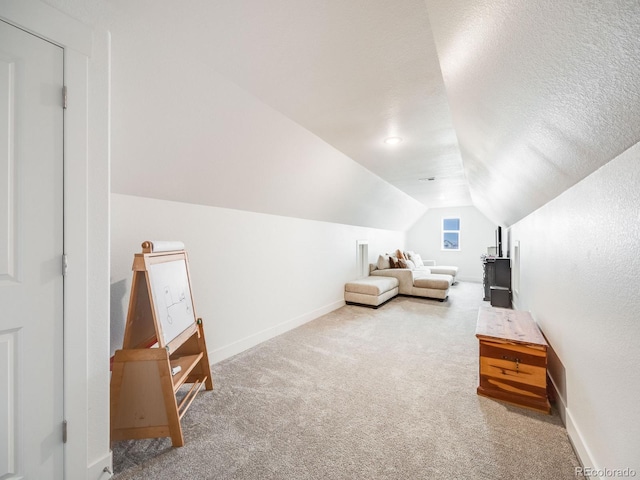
(184, 129)
(542, 93)
(506, 103)
(354, 73)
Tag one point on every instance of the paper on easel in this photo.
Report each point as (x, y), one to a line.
(163, 245)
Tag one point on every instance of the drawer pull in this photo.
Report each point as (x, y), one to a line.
(515, 359)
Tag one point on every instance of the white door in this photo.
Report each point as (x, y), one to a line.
(31, 316)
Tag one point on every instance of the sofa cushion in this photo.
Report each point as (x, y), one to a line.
(439, 282)
(383, 262)
(371, 285)
(445, 270)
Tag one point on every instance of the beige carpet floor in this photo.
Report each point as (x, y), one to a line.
(359, 394)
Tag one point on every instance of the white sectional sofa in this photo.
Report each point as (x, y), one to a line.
(415, 277)
(401, 273)
(418, 282)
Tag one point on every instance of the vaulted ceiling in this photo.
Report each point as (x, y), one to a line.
(504, 103)
(283, 106)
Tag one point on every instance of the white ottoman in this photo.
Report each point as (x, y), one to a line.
(370, 291)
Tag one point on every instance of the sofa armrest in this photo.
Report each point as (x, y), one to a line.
(429, 263)
(404, 276)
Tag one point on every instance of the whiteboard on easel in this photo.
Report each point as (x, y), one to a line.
(171, 293)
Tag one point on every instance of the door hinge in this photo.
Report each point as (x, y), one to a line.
(64, 431)
(65, 264)
(64, 97)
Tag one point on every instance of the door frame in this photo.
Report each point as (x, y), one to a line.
(86, 283)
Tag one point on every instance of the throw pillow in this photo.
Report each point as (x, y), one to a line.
(394, 262)
(400, 255)
(417, 259)
(411, 265)
(402, 263)
(383, 262)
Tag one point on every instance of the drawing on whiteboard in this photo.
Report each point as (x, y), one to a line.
(172, 297)
(178, 303)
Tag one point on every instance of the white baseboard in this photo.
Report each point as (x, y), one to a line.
(579, 445)
(575, 437)
(243, 344)
(96, 470)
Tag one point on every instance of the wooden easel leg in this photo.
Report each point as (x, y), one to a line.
(206, 366)
(177, 439)
(171, 404)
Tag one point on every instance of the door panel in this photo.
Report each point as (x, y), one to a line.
(7, 169)
(31, 247)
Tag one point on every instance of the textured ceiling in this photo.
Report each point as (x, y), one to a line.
(507, 103)
(540, 93)
(353, 73)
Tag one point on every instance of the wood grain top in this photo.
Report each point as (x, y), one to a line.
(510, 325)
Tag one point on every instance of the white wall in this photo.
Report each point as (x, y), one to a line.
(254, 275)
(476, 234)
(579, 277)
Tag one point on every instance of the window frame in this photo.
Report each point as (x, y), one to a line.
(450, 231)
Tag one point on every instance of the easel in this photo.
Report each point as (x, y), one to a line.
(158, 356)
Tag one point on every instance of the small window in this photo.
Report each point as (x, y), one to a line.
(450, 234)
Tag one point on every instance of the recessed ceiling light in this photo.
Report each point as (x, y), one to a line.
(392, 140)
